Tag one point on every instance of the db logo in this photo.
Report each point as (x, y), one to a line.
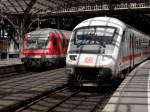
(88, 60)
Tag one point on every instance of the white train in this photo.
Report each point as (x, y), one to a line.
(101, 48)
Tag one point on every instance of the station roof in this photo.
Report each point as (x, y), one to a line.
(50, 6)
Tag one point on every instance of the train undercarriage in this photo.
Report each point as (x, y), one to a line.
(85, 76)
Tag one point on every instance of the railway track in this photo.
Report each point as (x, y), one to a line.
(84, 102)
(16, 91)
(64, 100)
(24, 104)
(11, 75)
(23, 72)
(50, 101)
(47, 92)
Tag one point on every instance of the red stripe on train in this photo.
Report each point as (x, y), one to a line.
(131, 57)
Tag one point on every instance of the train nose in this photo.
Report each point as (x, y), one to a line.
(95, 60)
(89, 60)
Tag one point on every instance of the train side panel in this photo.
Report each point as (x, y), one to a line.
(134, 50)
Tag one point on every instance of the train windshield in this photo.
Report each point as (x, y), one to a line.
(37, 43)
(94, 35)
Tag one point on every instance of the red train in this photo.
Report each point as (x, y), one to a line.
(45, 47)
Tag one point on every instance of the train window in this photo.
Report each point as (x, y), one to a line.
(41, 43)
(31, 44)
(94, 35)
(37, 42)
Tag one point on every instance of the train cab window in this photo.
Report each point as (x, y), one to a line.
(37, 42)
(94, 35)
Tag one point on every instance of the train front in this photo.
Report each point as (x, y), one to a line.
(35, 48)
(91, 57)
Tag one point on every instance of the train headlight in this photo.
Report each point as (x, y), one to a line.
(73, 57)
(107, 58)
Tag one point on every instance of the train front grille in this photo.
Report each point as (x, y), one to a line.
(92, 74)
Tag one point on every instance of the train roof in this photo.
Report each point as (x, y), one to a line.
(101, 21)
(42, 31)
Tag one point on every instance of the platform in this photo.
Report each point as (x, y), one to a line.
(9, 62)
(133, 95)
(10, 66)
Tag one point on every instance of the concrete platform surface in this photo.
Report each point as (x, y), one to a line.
(9, 62)
(133, 95)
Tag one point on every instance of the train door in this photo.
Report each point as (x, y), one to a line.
(131, 40)
(54, 44)
(64, 44)
(59, 41)
(125, 50)
(122, 53)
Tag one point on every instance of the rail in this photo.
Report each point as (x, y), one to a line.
(19, 106)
